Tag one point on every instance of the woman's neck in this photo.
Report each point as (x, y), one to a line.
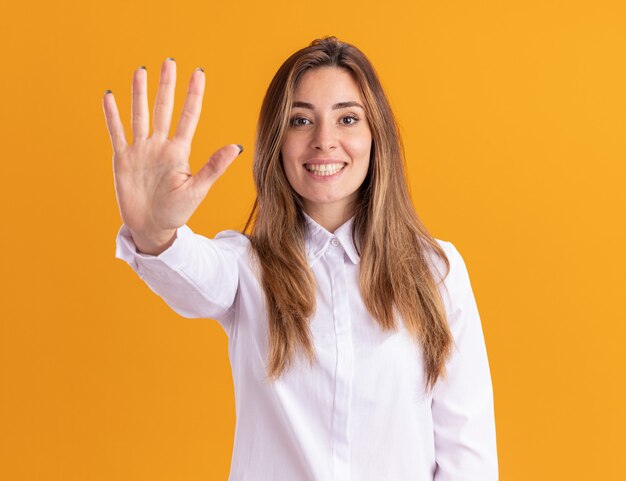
(329, 216)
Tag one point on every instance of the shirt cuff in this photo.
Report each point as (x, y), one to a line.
(172, 258)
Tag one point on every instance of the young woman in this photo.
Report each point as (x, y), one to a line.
(355, 342)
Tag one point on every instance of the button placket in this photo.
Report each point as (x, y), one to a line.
(344, 373)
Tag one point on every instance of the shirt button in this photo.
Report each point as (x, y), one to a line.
(334, 242)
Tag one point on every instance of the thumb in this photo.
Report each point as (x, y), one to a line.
(215, 167)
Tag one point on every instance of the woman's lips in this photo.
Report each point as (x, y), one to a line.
(324, 169)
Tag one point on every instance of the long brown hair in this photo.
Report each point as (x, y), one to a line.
(394, 272)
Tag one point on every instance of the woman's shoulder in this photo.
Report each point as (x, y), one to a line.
(436, 253)
(232, 239)
(233, 236)
(456, 269)
(455, 280)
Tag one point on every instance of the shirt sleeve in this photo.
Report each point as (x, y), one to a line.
(196, 276)
(462, 403)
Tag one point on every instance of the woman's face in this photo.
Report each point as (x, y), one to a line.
(326, 150)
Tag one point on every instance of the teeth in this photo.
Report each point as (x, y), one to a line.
(324, 169)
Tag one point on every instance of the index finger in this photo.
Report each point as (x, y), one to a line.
(191, 110)
(114, 124)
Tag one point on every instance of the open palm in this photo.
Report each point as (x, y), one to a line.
(156, 191)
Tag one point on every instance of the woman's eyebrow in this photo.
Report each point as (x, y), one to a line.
(340, 105)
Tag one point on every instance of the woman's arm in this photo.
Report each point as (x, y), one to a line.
(462, 405)
(157, 194)
(196, 276)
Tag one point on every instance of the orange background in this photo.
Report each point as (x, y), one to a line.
(513, 117)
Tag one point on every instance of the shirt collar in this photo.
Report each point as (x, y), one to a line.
(318, 240)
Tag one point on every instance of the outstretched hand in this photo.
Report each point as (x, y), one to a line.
(156, 191)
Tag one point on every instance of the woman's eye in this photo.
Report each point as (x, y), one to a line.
(298, 121)
(349, 120)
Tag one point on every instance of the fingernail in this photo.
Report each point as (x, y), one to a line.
(143, 67)
(240, 148)
(172, 59)
(200, 68)
(108, 92)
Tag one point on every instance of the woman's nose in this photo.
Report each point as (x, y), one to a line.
(324, 137)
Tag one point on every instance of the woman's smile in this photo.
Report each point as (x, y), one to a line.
(325, 169)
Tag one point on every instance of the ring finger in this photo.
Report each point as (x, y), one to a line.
(139, 106)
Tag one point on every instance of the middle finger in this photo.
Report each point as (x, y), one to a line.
(164, 104)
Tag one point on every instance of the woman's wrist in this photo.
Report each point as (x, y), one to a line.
(153, 244)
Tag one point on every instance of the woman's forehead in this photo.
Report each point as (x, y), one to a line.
(326, 87)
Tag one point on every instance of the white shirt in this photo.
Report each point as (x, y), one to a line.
(360, 413)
